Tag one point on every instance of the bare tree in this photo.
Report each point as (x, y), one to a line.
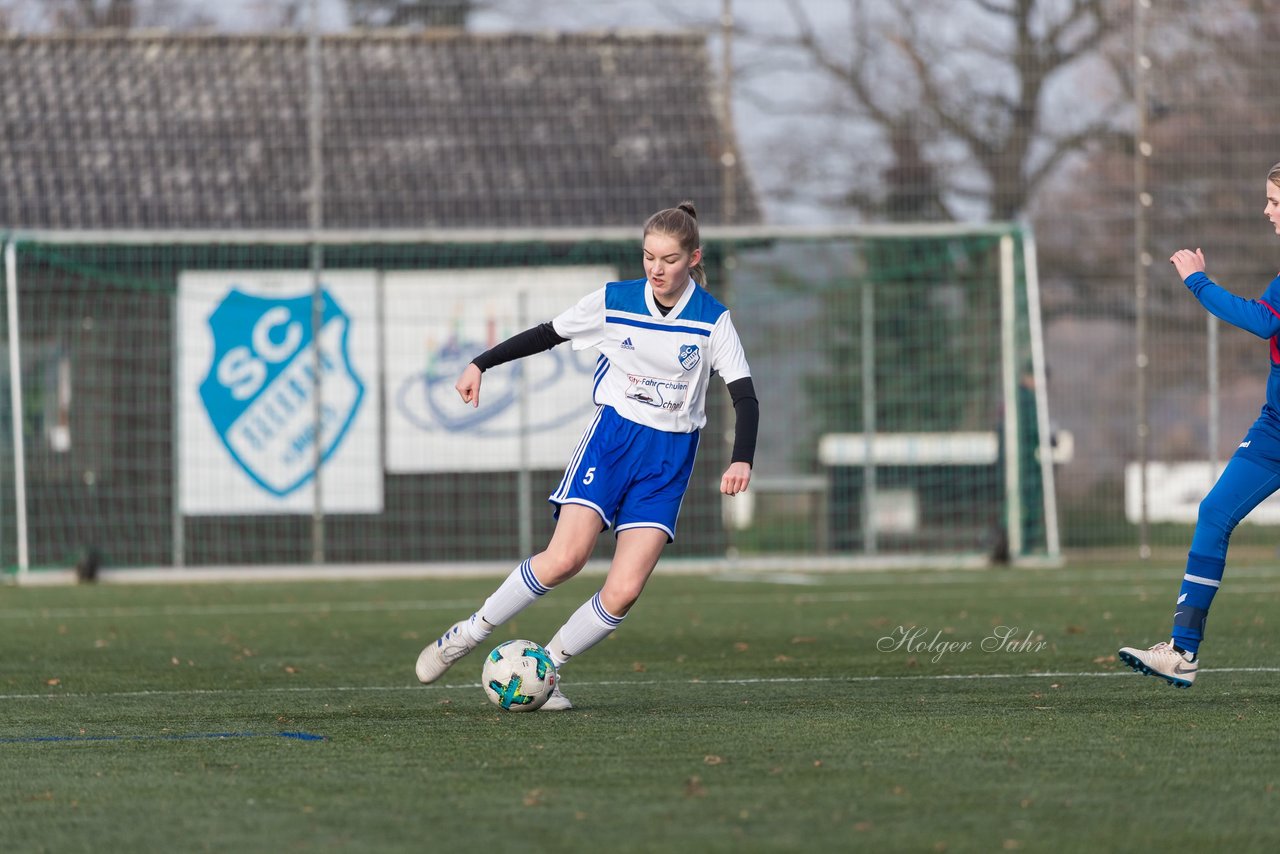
(410, 13)
(1209, 139)
(93, 15)
(953, 101)
(83, 15)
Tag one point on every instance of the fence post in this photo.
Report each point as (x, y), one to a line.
(15, 396)
(315, 221)
(1009, 393)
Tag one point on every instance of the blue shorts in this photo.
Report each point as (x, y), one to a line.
(1262, 443)
(632, 475)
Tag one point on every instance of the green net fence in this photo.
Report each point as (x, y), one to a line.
(177, 408)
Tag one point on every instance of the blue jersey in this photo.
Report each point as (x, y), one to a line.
(1261, 317)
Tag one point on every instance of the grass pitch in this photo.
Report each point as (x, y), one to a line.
(905, 711)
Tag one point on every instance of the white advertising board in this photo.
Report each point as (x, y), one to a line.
(436, 322)
(1175, 490)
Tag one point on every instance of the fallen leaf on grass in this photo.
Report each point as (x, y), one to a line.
(693, 788)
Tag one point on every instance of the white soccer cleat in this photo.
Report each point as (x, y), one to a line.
(557, 702)
(440, 656)
(1176, 668)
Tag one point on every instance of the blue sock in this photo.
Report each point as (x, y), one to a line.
(1199, 584)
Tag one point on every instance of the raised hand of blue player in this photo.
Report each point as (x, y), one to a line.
(1187, 262)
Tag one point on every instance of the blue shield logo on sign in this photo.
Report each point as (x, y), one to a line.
(261, 389)
(689, 356)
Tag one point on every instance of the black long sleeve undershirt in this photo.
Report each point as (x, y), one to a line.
(543, 337)
(535, 340)
(746, 409)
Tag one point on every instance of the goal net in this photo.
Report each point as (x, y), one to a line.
(242, 400)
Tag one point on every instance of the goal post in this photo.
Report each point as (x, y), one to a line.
(924, 333)
(169, 394)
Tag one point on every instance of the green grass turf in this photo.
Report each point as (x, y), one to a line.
(726, 715)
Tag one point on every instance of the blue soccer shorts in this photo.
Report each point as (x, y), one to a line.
(632, 475)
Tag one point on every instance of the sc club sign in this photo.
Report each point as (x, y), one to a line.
(255, 377)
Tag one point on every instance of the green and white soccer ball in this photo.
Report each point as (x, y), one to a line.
(518, 676)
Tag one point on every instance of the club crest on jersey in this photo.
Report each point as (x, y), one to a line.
(260, 392)
(689, 356)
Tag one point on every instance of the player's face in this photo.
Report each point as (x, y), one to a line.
(1272, 210)
(667, 266)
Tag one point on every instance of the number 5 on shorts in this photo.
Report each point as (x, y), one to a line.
(589, 476)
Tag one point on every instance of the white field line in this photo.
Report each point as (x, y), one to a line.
(994, 577)
(358, 689)
(912, 593)
(255, 609)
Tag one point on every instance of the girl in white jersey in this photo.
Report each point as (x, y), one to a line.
(660, 338)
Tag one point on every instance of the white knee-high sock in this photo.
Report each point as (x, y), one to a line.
(519, 591)
(589, 625)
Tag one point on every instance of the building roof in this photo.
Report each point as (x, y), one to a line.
(420, 130)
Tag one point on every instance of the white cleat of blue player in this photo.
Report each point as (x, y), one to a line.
(1164, 660)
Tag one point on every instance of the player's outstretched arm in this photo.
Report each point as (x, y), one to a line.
(736, 478)
(468, 385)
(535, 340)
(1256, 316)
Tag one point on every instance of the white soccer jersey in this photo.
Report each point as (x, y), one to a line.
(654, 370)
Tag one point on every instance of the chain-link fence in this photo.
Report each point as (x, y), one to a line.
(199, 401)
(1117, 132)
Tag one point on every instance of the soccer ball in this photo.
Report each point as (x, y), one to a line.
(518, 676)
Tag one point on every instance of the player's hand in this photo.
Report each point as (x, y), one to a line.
(735, 479)
(1187, 262)
(468, 385)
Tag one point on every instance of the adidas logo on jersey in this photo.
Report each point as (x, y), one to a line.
(627, 345)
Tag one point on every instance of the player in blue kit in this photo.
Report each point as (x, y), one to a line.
(660, 338)
(1252, 474)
